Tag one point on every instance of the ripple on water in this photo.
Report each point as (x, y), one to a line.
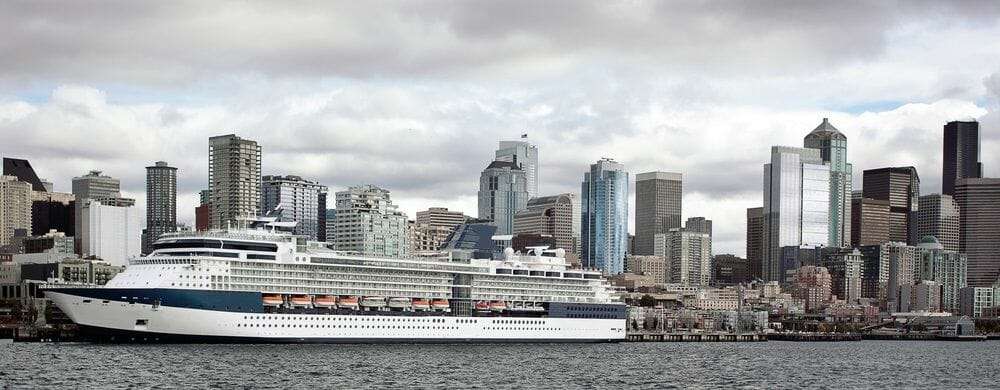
(867, 364)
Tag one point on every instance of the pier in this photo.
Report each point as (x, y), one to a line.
(658, 336)
(814, 336)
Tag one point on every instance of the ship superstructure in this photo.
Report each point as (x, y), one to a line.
(264, 285)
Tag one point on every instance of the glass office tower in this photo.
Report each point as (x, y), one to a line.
(604, 217)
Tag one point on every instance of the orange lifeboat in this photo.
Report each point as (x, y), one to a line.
(272, 300)
(440, 304)
(301, 300)
(325, 301)
(421, 304)
(348, 302)
(482, 306)
(498, 305)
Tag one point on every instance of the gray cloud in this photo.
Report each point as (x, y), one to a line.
(414, 96)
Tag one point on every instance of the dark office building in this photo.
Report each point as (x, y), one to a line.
(869, 221)
(23, 171)
(729, 270)
(321, 221)
(755, 241)
(979, 228)
(53, 211)
(961, 154)
(901, 187)
(658, 198)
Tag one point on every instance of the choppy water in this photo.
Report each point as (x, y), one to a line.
(867, 364)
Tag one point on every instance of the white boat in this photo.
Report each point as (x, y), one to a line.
(258, 285)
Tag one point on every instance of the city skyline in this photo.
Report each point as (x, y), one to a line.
(425, 132)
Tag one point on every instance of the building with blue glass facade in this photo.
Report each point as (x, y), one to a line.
(604, 216)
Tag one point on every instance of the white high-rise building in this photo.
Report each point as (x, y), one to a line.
(796, 204)
(525, 155)
(110, 230)
(688, 256)
(368, 223)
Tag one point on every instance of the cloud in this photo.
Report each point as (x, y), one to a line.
(415, 96)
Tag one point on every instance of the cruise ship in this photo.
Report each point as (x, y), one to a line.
(259, 285)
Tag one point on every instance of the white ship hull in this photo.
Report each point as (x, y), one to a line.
(121, 321)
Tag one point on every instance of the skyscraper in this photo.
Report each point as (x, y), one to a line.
(869, 221)
(551, 216)
(901, 187)
(15, 207)
(502, 193)
(233, 179)
(979, 228)
(832, 145)
(604, 216)
(688, 256)
(796, 204)
(657, 207)
(961, 154)
(96, 186)
(292, 198)
(755, 241)
(367, 222)
(937, 216)
(525, 155)
(161, 202)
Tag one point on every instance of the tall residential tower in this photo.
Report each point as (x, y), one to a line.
(161, 202)
(233, 179)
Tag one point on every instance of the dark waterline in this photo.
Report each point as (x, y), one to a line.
(775, 364)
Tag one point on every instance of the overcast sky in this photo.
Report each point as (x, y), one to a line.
(413, 96)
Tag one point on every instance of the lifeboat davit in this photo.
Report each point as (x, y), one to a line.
(301, 300)
(420, 304)
(349, 302)
(498, 305)
(272, 300)
(373, 302)
(482, 306)
(325, 301)
(440, 304)
(399, 303)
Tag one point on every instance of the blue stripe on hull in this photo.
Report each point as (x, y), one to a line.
(107, 335)
(230, 301)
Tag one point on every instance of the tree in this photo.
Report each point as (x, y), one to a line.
(647, 301)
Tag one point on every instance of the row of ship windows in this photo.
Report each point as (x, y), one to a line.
(380, 327)
(328, 318)
(342, 326)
